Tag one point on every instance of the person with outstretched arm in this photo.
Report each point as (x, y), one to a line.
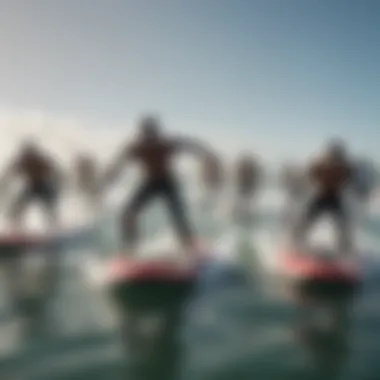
(247, 179)
(330, 175)
(212, 177)
(42, 180)
(156, 152)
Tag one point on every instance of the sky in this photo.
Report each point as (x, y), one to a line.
(276, 77)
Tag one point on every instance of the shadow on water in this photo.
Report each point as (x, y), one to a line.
(231, 331)
(323, 326)
(56, 356)
(316, 344)
(155, 316)
(30, 287)
(152, 314)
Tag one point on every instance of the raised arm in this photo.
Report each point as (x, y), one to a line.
(8, 173)
(195, 147)
(118, 165)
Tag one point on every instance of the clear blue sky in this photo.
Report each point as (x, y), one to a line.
(281, 74)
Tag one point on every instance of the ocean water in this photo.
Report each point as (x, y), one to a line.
(239, 322)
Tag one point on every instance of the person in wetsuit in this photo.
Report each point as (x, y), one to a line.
(212, 176)
(247, 176)
(246, 182)
(155, 152)
(329, 176)
(41, 177)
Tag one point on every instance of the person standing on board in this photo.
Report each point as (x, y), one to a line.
(330, 176)
(156, 152)
(211, 177)
(247, 177)
(42, 179)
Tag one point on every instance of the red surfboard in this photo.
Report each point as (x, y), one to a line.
(19, 239)
(300, 266)
(15, 239)
(135, 269)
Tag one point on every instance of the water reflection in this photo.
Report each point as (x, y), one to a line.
(323, 327)
(30, 281)
(151, 316)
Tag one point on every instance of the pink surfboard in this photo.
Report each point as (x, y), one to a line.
(135, 269)
(144, 270)
(304, 266)
(21, 239)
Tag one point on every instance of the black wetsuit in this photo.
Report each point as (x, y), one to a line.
(41, 185)
(326, 203)
(160, 182)
(330, 180)
(44, 192)
(329, 198)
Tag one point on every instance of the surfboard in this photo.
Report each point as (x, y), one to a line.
(149, 284)
(141, 270)
(312, 266)
(167, 272)
(163, 267)
(30, 239)
(19, 239)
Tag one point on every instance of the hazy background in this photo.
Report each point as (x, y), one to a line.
(277, 77)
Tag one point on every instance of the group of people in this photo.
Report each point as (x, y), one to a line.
(323, 186)
(156, 151)
(43, 180)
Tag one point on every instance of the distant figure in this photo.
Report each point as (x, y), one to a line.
(293, 179)
(247, 178)
(323, 328)
(42, 180)
(155, 152)
(212, 176)
(88, 181)
(330, 176)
